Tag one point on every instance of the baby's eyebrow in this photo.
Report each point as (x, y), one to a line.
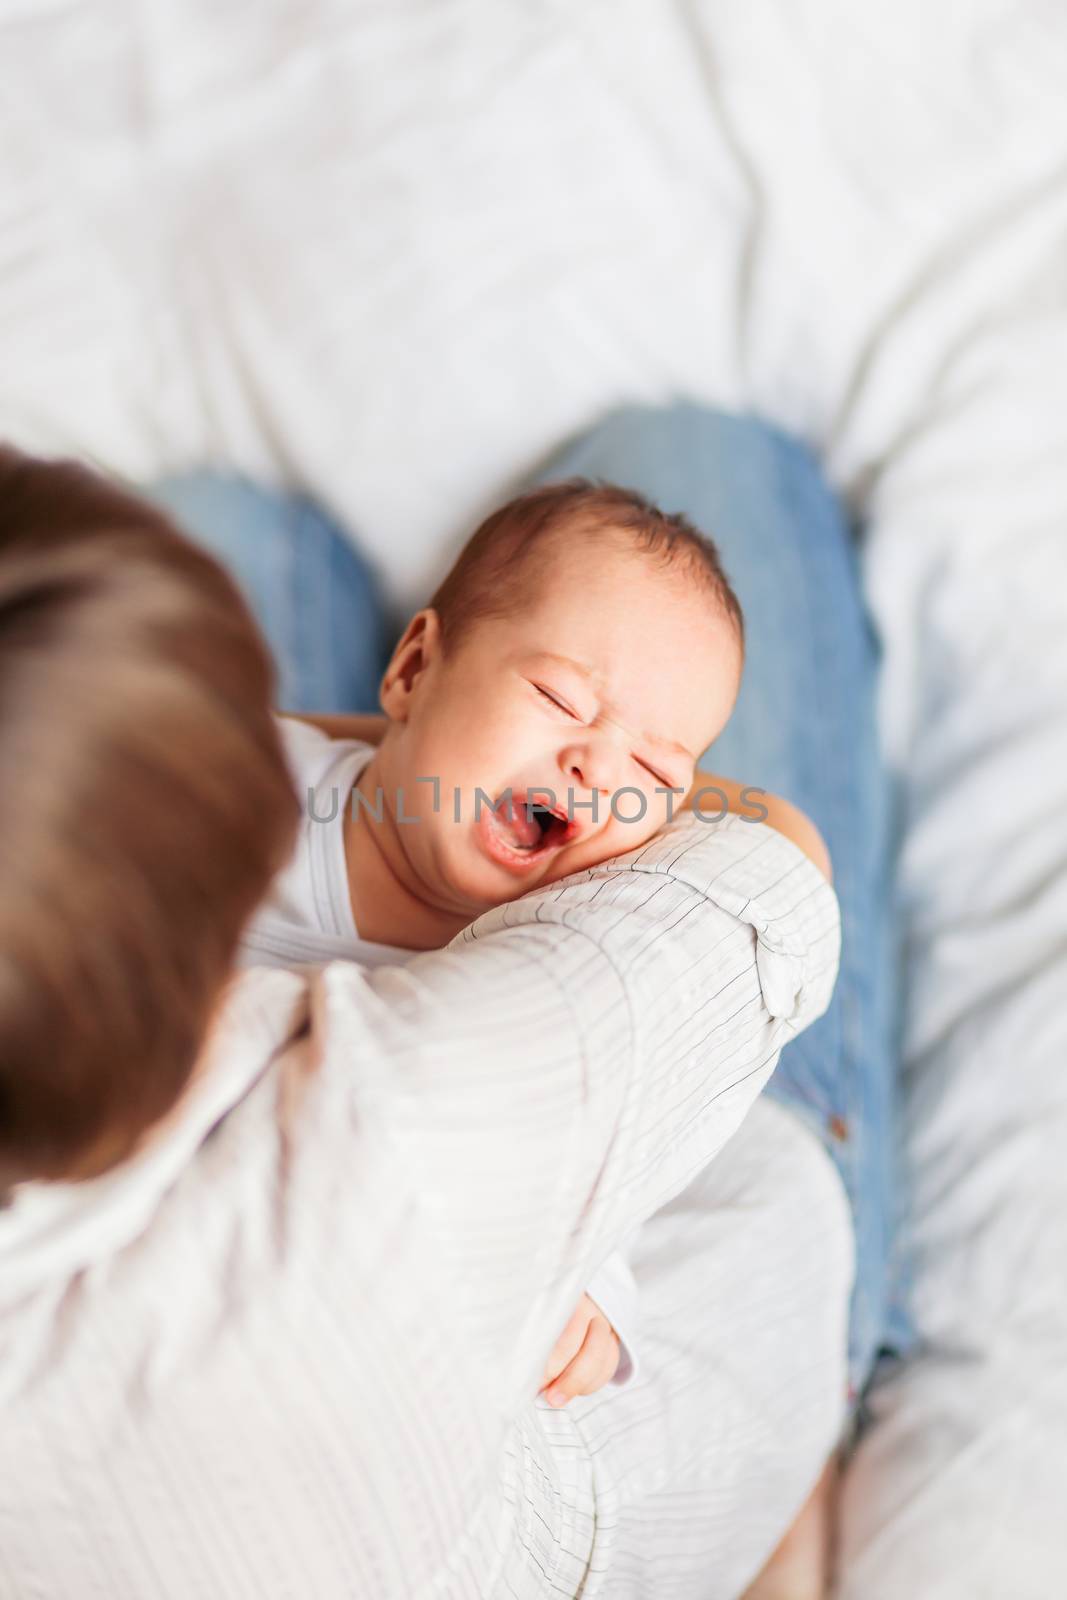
(581, 667)
(596, 678)
(670, 744)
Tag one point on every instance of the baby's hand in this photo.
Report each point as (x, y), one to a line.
(585, 1357)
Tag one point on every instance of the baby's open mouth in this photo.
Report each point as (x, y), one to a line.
(521, 831)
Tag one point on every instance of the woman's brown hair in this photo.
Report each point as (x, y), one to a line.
(144, 805)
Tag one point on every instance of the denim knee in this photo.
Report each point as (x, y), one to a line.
(315, 597)
(733, 473)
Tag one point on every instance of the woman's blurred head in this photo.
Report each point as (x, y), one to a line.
(144, 805)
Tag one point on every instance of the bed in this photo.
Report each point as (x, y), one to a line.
(395, 250)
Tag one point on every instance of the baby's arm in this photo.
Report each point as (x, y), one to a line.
(598, 1346)
(584, 1357)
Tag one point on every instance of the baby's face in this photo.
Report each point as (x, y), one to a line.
(607, 687)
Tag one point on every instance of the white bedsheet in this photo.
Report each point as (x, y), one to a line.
(395, 250)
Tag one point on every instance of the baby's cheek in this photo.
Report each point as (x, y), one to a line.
(634, 834)
(636, 817)
(629, 829)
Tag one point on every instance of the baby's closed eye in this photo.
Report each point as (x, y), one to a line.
(554, 699)
(659, 776)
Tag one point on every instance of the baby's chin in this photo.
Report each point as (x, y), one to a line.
(469, 893)
(473, 881)
(455, 879)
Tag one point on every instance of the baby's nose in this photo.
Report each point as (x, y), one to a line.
(588, 767)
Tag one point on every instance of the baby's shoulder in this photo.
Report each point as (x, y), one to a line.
(306, 747)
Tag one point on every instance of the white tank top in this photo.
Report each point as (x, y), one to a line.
(306, 917)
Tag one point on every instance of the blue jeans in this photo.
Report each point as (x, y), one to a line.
(314, 596)
(803, 727)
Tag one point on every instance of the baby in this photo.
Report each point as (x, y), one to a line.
(544, 713)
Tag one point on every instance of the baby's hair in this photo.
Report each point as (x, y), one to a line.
(488, 576)
(145, 803)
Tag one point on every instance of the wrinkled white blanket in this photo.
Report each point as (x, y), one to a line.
(395, 250)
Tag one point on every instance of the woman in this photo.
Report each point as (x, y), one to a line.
(274, 1320)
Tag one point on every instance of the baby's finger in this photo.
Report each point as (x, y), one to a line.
(569, 1342)
(591, 1368)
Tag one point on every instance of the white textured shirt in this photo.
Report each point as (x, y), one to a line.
(289, 1349)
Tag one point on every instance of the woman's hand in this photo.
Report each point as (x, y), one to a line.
(585, 1357)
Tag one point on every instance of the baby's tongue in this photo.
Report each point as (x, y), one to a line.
(518, 824)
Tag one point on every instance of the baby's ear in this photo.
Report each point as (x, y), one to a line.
(419, 646)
